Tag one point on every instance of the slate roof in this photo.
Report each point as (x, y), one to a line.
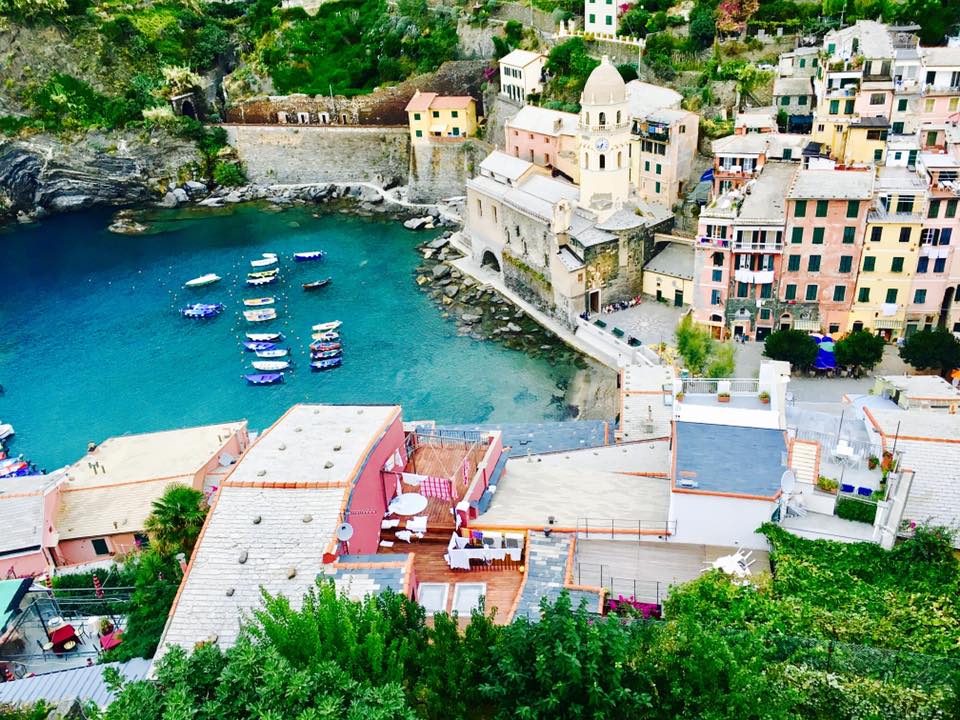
(546, 572)
(675, 260)
(361, 575)
(540, 120)
(83, 683)
(832, 184)
(792, 86)
(730, 459)
(499, 163)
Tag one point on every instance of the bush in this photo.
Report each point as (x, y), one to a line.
(794, 346)
(228, 174)
(856, 510)
(932, 350)
(722, 364)
(627, 71)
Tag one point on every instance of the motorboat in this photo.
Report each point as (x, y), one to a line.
(263, 273)
(264, 378)
(256, 282)
(274, 353)
(201, 310)
(208, 279)
(258, 345)
(270, 365)
(326, 337)
(6, 430)
(260, 315)
(328, 364)
(309, 256)
(326, 354)
(317, 284)
(268, 260)
(265, 337)
(17, 469)
(324, 346)
(10, 461)
(327, 326)
(258, 302)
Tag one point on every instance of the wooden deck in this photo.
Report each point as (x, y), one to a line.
(502, 579)
(447, 462)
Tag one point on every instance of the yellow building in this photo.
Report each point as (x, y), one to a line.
(851, 140)
(668, 275)
(890, 252)
(441, 117)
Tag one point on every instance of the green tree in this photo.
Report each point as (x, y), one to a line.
(794, 346)
(722, 363)
(176, 519)
(703, 27)
(634, 21)
(932, 350)
(694, 343)
(859, 351)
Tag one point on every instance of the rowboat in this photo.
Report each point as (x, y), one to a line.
(6, 430)
(201, 310)
(18, 468)
(324, 346)
(270, 365)
(268, 260)
(262, 281)
(326, 354)
(327, 326)
(326, 364)
(265, 337)
(263, 273)
(317, 284)
(274, 353)
(208, 279)
(258, 346)
(309, 255)
(257, 302)
(260, 315)
(326, 337)
(264, 379)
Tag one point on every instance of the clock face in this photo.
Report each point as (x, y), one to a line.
(602, 144)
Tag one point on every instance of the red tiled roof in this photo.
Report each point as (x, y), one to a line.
(420, 102)
(451, 102)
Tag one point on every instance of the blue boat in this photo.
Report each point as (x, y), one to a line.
(309, 256)
(201, 310)
(254, 346)
(325, 354)
(264, 378)
(328, 364)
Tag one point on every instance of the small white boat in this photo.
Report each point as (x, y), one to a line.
(263, 273)
(208, 279)
(265, 337)
(260, 315)
(325, 337)
(268, 260)
(327, 326)
(258, 302)
(6, 430)
(274, 353)
(270, 365)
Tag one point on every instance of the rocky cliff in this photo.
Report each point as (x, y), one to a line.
(46, 173)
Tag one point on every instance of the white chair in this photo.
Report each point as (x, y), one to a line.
(388, 524)
(417, 524)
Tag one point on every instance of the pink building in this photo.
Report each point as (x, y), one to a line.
(25, 503)
(826, 218)
(546, 138)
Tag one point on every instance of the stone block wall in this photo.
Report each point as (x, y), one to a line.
(294, 155)
(440, 169)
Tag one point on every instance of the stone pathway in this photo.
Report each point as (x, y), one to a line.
(650, 322)
(546, 570)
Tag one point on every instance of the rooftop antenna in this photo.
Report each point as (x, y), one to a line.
(344, 533)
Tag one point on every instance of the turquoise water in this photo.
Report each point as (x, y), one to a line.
(91, 344)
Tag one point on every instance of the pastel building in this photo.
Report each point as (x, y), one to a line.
(826, 218)
(434, 117)
(740, 158)
(794, 96)
(26, 503)
(600, 17)
(547, 138)
(521, 75)
(799, 63)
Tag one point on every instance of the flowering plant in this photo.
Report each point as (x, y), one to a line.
(630, 607)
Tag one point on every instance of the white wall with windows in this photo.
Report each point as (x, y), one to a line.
(600, 17)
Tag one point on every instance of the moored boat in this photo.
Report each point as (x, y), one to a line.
(18, 468)
(260, 315)
(263, 273)
(324, 346)
(6, 430)
(203, 280)
(270, 365)
(317, 284)
(258, 302)
(328, 364)
(327, 326)
(258, 346)
(326, 337)
(265, 337)
(309, 255)
(255, 282)
(264, 378)
(272, 353)
(325, 354)
(268, 260)
(201, 310)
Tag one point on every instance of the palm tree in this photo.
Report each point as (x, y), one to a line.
(176, 519)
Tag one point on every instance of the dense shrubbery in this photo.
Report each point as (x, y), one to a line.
(569, 66)
(857, 510)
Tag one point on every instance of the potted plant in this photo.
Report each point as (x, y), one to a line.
(764, 397)
(872, 462)
(723, 397)
(106, 626)
(680, 396)
(828, 485)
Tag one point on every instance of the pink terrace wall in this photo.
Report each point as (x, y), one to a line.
(490, 460)
(368, 502)
(26, 565)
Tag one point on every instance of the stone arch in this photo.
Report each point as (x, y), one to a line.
(489, 259)
(603, 119)
(603, 161)
(187, 109)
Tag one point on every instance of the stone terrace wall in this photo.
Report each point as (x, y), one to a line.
(293, 155)
(440, 169)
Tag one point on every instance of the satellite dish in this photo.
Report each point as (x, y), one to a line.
(788, 481)
(344, 532)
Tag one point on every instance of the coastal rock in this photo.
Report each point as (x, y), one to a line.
(181, 195)
(417, 223)
(451, 290)
(213, 202)
(513, 327)
(169, 201)
(195, 189)
(234, 197)
(124, 224)
(438, 243)
(441, 271)
(470, 318)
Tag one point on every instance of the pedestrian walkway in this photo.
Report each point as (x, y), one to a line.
(546, 573)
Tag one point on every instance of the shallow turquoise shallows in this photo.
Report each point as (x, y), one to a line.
(92, 345)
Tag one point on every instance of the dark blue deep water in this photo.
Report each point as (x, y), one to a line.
(91, 344)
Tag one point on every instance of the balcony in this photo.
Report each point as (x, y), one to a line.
(754, 277)
(713, 242)
(609, 127)
(735, 171)
(881, 215)
(757, 247)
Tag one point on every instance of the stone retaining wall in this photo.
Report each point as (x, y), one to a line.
(441, 169)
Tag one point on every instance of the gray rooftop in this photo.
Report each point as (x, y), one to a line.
(877, 121)
(903, 179)
(941, 56)
(21, 511)
(499, 163)
(730, 459)
(792, 86)
(83, 683)
(676, 260)
(832, 185)
(543, 121)
(766, 202)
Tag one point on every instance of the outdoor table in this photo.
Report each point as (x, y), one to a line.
(407, 504)
(61, 636)
(111, 639)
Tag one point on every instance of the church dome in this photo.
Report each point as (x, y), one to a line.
(604, 86)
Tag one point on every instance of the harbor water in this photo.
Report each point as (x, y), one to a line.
(92, 344)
